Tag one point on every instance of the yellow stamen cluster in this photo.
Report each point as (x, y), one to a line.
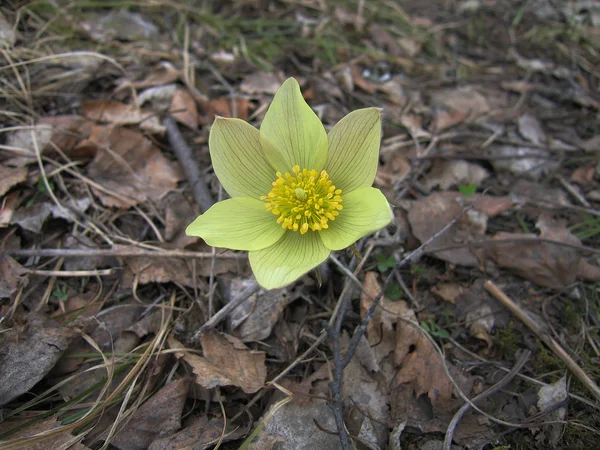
(304, 200)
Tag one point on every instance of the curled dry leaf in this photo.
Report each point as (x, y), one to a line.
(28, 354)
(159, 416)
(131, 168)
(226, 362)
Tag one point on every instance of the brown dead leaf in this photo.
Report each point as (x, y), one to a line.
(28, 353)
(447, 174)
(222, 107)
(584, 176)
(198, 434)
(179, 213)
(117, 113)
(69, 134)
(448, 291)
(159, 416)
(10, 177)
(163, 73)
(422, 370)
(541, 262)
(385, 318)
(142, 270)
(132, 168)
(12, 276)
(226, 362)
(183, 109)
(431, 214)
(458, 104)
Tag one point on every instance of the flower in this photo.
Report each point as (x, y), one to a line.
(297, 193)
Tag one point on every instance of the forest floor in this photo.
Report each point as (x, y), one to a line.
(112, 332)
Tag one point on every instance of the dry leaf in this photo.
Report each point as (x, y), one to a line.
(431, 214)
(199, 434)
(254, 319)
(28, 354)
(261, 83)
(132, 168)
(69, 135)
(8, 206)
(531, 129)
(541, 262)
(447, 174)
(10, 177)
(159, 416)
(12, 276)
(448, 291)
(386, 316)
(183, 109)
(226, 362)
(293, 428)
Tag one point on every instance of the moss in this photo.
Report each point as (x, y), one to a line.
(507, 340)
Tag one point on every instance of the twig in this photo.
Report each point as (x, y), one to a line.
(544, 337)
(125, 252)
(186, 159)
(225, 310)
(70, 273)
(523, 358)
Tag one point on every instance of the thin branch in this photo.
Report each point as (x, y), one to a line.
(118, 252)
(185, 156)
(544, 337)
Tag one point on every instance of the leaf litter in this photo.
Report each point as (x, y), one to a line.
(498, 141)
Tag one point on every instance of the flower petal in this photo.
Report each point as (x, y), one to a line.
(365, 210)
(238, 223)
(287, 260)
(294, 129)
(354, 149)
(238, 159)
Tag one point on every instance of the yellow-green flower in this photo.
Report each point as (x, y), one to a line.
(297, 193)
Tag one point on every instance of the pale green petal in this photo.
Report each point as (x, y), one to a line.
(238, 223)
(238, 159)
(365, 210)
(293, 128)
(288, 259)
(354, 149)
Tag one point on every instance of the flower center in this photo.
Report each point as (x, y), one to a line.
(304, 200)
